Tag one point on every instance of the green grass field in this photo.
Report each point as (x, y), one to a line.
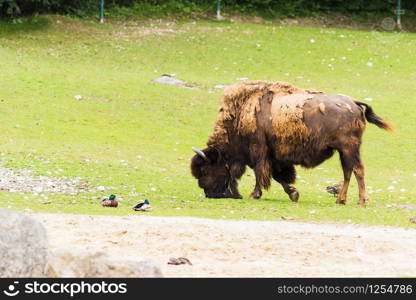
(136, 136)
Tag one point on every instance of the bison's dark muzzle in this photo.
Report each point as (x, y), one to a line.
(227, 194)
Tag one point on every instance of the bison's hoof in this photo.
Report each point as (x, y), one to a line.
(294, 196)
(255, 195)
(341, 201)
(362, 202)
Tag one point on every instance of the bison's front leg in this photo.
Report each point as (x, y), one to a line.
(256, 193)
(262, 172)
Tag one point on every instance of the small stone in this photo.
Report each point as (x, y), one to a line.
(179, 261)
(38, 189)
(220, 86)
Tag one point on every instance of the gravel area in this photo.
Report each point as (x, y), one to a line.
(225, 248)
(24, 181)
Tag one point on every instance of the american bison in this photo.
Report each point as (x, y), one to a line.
(272, 126)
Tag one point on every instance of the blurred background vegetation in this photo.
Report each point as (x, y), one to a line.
(13, 9)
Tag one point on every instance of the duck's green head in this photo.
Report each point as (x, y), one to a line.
(112, 197)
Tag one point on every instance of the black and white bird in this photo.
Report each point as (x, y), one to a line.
(144, 206)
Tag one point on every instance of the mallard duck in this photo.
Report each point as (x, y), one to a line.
(144, 206)
(334, 189)
(109, 201)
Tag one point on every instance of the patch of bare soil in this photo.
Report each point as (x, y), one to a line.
(330, 20)
(121, 30)
(218, 248)
(126, 32)
(25, 181)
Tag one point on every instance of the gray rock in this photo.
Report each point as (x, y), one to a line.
(23, 245)
(168, 79)
(220, 86)
(81, 264)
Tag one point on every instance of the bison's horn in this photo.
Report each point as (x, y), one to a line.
(200, 153)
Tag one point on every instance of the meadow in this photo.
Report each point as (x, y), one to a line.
(135, 135)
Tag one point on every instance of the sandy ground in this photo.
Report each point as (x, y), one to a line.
(241, 248)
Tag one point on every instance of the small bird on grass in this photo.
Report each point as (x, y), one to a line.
(334, 189)
(109, 201)
(144, 206)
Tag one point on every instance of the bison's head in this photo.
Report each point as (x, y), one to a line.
(214, 174)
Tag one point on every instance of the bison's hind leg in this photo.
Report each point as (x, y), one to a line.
(351, 162)
(286, 175)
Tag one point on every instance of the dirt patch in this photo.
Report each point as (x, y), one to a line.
(220, 248)
(25, 181)
(140, 31)
(121, 30)
(403, 206)
(329, 20)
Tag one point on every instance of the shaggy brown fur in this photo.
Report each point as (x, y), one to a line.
(287, 119)
(241, 102)
(273, 126)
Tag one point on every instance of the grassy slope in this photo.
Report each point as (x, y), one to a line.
(136, 135)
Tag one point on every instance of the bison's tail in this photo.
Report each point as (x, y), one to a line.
(373, 118)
